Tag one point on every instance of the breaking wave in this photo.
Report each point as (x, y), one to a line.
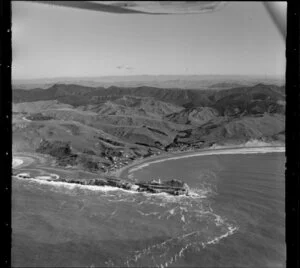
(183, 223)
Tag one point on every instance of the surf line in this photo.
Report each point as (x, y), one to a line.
(225, 151)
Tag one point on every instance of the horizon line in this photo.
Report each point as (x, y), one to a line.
(149, 75)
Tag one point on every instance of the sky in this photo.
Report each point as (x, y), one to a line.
(51, 41)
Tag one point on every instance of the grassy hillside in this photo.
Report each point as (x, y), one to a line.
(103, 129)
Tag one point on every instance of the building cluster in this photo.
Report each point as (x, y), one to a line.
(125, 159)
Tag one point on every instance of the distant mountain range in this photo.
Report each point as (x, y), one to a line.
(80, 95)
(97, 125)
(160, 81)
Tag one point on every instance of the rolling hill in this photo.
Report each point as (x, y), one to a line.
(103, 128)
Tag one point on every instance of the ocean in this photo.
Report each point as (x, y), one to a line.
(235, 217)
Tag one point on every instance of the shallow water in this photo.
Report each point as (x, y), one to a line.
(235, 217)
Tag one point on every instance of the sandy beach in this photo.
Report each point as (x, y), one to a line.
(20, 161)
(23, 160)
(217, 150)
(17, 162)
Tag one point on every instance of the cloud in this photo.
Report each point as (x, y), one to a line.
(126, 67)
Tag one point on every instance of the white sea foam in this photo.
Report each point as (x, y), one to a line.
(171, 249)
(189, 212)
(54, 176)
(51, 180)
(43, 177)
(147, 214)
(172, 211)
(71, 186)
(165, 253)
(217, 239)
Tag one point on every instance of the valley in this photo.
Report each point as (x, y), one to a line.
(101, 130)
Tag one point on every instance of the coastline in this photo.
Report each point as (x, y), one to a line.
(215, 150)
(21, 161)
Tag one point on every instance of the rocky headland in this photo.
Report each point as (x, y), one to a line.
(173, 187)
